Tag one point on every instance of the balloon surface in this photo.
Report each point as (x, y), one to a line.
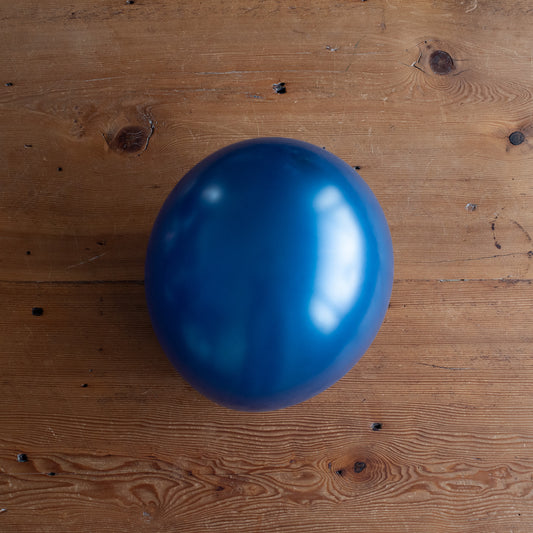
(268, 273)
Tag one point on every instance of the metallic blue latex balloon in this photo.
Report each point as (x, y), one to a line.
(269, 272)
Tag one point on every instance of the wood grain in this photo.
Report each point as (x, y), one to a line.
(138, 444)
(202, 77)
(106, 105)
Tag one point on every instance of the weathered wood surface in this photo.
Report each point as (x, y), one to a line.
(105, 105)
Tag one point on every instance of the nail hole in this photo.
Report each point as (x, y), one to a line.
(37, 311)
(279, 88)
(9, 84)
(60, 169)
(376, 426)
(51, 474)
(84, 385)
(28, 252)
(359, 467)
(22, 458)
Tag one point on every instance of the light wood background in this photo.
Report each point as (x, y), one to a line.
(106, 104)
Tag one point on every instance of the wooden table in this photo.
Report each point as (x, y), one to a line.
(106, 104)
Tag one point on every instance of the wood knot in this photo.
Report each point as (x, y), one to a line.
(441, 62)
(359, 467)
(130, 139)
(516, 138)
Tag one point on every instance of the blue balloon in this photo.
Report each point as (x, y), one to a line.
(268, 273)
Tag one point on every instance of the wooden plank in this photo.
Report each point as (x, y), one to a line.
(448, 378)
(190, 80)
(106, 105)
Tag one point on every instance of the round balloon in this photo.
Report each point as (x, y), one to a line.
(268, 273)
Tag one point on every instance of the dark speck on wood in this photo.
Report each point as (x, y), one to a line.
(279, 88)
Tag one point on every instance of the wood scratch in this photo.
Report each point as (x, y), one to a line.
(446, 367)
(90, 260)
(522, 229)
(255, 120)
(472, 7)
(30, 332)
(416, 62)
(353, 54)
(105, 79)
(478, 258)
(152, 129)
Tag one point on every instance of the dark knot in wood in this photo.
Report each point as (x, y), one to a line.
(130, 139)
(441, 62)
(516, 138)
